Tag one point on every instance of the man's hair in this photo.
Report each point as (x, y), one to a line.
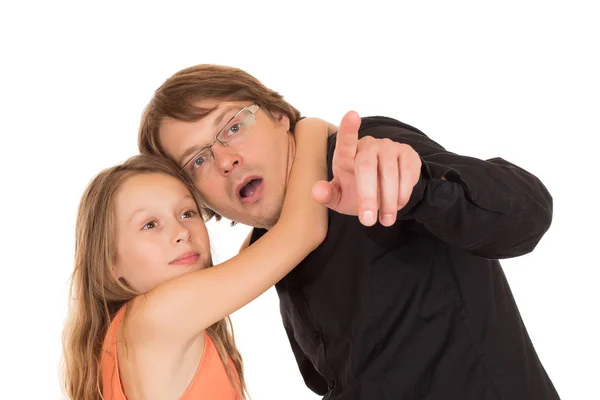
(179, 95)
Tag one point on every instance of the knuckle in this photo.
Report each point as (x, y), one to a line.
(409, 161)
(405, 148)
(368, 139)
(365, 163)
(368, 143)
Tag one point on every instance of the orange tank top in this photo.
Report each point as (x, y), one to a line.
(209, 382)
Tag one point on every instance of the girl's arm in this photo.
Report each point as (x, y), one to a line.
(182, 308)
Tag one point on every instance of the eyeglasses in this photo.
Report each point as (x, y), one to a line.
(233, 132)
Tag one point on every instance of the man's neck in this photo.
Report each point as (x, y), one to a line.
(291, 152)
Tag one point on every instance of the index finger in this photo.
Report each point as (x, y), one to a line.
(346, 141)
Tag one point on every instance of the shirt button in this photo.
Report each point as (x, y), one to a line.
(317, 334)
(331, 385)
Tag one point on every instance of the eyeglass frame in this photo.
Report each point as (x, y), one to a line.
(252, 109)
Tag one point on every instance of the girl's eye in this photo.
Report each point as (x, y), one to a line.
(189, 214)
(150, 225)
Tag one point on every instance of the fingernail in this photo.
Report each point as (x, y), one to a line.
(387, 219)
(368, 217)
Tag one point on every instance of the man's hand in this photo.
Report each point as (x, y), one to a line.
(370, 176)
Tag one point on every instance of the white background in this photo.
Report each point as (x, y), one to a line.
(518, 79)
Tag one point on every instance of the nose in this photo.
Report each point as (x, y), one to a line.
(182, 234)
(226, 159)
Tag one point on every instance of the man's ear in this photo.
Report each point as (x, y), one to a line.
(282, 120)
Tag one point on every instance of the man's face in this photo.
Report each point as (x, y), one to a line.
(245, 180)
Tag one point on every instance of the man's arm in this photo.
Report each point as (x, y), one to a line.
(491, 208)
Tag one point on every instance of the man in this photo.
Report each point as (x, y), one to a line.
(407, 302)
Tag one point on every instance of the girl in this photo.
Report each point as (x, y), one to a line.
(149, 316)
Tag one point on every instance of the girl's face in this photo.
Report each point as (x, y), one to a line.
(160, 234)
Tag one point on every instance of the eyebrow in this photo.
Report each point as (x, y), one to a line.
(139, 210)
(194, 149)
(187, 153)
(226, 111)
(136, 212)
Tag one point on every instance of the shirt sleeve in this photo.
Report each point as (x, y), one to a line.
(491, 208)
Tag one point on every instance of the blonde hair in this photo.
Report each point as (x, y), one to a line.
(177, 98)
(96, 295)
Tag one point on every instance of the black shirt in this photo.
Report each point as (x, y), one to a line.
(422, 310)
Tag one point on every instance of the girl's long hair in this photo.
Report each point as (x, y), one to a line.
(96, 295)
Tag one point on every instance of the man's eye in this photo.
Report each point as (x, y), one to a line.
(199, 161)
(234, 129)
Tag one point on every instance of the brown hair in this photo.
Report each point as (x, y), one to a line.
(96, 295)
(177, 98)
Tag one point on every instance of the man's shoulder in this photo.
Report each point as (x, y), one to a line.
(381, 127)
(380, 122)
(256, 234)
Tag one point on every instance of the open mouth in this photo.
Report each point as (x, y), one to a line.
(250, 190)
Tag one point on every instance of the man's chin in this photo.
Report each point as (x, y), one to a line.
(265, 219)
(258, 215)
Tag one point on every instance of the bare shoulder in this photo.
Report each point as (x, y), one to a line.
(143, 324)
